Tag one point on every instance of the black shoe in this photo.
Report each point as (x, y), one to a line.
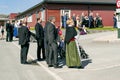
(57, 66)
(25, 63)
(71, 67)
(39, 59)
(50, 65)
(10, 41)
(80, 67)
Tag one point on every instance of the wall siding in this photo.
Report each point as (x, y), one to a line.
(106, 12)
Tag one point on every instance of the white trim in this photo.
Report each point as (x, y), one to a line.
(62, 12)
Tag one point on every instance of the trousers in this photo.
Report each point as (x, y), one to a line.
(53, 55)
(24, 52)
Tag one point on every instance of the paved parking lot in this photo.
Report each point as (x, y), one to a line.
(103, 62)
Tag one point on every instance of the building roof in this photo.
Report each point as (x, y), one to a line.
(13, 15)
(83, 1)
(113, 2)
(3, 17)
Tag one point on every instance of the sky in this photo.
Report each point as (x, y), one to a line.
(15, 6)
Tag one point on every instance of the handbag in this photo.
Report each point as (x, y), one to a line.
(60, 32)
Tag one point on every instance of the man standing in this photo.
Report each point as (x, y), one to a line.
(40, 39)
(65, 17)
(91, 20)
(114, 20)
(12, 30)
(46, 41)
(24, 38)
(9, 31)
(74, 19)
(52, 39)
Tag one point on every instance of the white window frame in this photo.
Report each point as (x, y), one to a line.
(29, 19)
(43, 15)
(37, 14)
(63, 11)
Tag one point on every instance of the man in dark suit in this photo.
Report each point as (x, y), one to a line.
(46, 41)
(51, 36)
(40, 39)
(91, 20)
(24, 38)
(12, 30)
(115, 21)
(74, 19)
(9, 30)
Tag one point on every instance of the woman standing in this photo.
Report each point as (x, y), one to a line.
(72, 55)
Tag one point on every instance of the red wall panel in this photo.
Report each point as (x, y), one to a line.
(56, 14)
(105, 11)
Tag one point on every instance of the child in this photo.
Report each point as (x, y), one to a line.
(82, 30)
(61, 48)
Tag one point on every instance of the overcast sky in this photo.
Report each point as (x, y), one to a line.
(15, 6)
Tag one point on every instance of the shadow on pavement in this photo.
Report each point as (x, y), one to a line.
(33, 62)
(86, 62)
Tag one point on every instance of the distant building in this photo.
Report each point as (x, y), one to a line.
(3, 19)
(56, 8)
(12, 16)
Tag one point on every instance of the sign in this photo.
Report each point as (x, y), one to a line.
(118, 3)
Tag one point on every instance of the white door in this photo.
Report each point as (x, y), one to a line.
(64, 12)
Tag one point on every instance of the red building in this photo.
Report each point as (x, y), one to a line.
(56, 8)
(12, 16)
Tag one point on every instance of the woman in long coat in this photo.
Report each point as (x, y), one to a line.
(72, 55)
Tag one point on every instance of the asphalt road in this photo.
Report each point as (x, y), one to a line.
(103, 62)
(11, 69)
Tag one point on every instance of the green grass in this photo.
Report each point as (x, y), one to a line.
(105, 28)
(32, 28)
(108, 28)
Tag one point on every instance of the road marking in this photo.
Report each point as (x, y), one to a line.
(46, 69)
(106, 67)
(86, 69)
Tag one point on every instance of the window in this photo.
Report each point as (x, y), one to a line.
(66, 11)
(43, 15)
(37, 14)
(29, 19)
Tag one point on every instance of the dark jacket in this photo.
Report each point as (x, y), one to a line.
(46, 32)
(9, 27)
(70, 33)
(39, 31)
(23, 35)
(51, 33)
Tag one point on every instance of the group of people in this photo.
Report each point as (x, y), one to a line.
(9, 30)
(83, 20)
(48, 40)
(12, 30)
